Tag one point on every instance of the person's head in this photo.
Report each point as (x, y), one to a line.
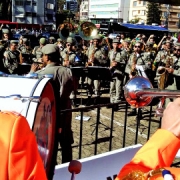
(70, 43)
(137, 47)
(51, 40)
(122, 36)
(5, 34)
(115, 43)
(177, 49)
(168, 45)
(42, 41)
(50, 54)
(126, 43)
(96, 40)
(13, 45)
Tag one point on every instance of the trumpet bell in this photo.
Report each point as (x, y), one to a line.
(87, 30)
(134, 85)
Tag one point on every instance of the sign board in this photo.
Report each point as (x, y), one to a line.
(103, 166)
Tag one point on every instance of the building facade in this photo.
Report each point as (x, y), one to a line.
(171, 17)
(71, 5)
(101, 11)
(40, 12)
(84, 10)
(137, 10)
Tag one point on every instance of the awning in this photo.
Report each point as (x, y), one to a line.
(144, 27)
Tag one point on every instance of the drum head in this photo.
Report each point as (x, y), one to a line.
(45, 127)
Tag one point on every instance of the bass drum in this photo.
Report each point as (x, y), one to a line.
(35, 99)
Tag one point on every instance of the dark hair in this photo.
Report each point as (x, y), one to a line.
(54, 57)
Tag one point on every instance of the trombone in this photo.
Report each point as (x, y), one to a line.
(139, 92)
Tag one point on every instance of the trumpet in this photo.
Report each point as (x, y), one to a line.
(139, 92)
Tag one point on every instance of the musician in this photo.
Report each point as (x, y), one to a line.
(27, 52)
(159, 152)
(138, 58)
(12, 58)
(64, 81)
(95, 58)
(117, 67)
(2, 50)
(69, 57)
(51, 40)
(37, 50)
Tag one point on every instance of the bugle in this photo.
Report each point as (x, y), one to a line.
(139, 92)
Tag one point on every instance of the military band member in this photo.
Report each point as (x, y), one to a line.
(138, 58)
(95, 58)
(12, 58)
(37, 51)
(27, 52)
(116, 63)
(68, 56)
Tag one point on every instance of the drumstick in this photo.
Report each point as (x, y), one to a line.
(74, 168)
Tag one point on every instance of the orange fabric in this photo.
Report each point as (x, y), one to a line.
(158, 152)
(19, 157)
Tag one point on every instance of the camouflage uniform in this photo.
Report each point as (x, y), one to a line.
(117, 75)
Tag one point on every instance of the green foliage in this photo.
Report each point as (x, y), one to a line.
(60, 5)
(135, 20)
(153, 13)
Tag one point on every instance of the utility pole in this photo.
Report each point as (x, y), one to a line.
(167, 16)
(118, 14)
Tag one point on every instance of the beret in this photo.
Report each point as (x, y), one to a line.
(49, 49)
(70, 40)
(51, 37)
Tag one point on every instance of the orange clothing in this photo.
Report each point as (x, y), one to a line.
(158, 152)
(19, 157)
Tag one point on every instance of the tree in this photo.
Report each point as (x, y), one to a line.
(5, 9)
(153, 13)
(60, 5)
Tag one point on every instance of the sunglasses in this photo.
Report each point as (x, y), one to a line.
(137, 46)
(68, 44)
(175, 49)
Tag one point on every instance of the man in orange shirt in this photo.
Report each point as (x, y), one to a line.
(159, 152)
(19, 157)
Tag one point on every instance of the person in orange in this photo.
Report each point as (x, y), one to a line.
(19, 157)
(156, 156)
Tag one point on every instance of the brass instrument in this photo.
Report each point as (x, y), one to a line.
(65, 30)
(134, 71)
(87, 30)
(164, 73)
(139, 92)
(91, 59)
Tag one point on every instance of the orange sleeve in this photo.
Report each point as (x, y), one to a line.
(159, 151)
(24, 161)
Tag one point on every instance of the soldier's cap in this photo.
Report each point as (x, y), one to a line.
(115, 40)
(177, 44)
(5, 31)
(42, 41)
(127, 40)
(49, 49)
(96, 37)
(164, 42)
(25, 39)
(14, 42)
(59, 40)
(51, 37)
(138, 41)
(70, 40)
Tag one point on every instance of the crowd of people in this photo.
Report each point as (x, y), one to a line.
(121, 56)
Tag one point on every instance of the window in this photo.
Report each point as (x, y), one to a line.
(138, 11)
(49, 6)
(19, 2)
(178, 15)
(28, 3)
(139, 2)
(49, 17)
(144, 3)
(34, 3)
(135, 3)
(31, 14)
